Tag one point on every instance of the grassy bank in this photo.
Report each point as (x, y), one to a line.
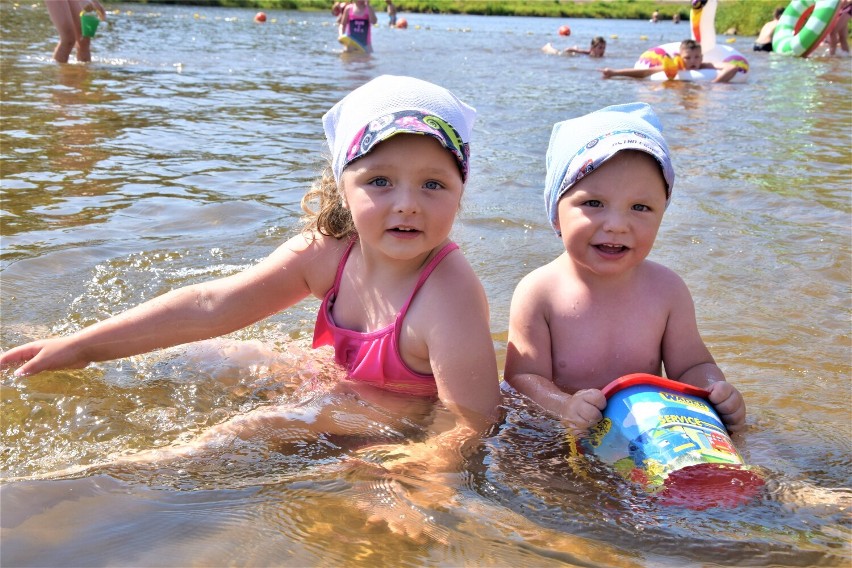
(746, 16)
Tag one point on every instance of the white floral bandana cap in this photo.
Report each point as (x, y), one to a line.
(581, 145)
(390, 105)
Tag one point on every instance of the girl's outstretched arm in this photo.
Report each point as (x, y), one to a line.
(191, 313)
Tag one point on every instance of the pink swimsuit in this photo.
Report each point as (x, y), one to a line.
(373, 357)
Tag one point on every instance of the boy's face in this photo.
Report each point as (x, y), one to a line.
(692, 58)
(597, 50)
(610, 218)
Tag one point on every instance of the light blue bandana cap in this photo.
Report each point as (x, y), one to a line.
(581, 145)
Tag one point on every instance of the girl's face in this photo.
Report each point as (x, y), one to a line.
(403, 196)
(597, 50)
(610, 218)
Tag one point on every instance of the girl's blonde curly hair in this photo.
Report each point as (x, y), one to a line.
(324, 210)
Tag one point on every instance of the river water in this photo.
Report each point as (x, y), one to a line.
(181, 153)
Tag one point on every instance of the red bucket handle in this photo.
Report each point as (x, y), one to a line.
(635, 379)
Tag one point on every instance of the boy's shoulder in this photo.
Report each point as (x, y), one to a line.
(660, 283)
(546, 272)
(659, 274)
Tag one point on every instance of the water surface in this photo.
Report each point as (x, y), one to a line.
(181, 153)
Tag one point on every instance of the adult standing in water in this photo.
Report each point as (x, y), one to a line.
(764, 39)
(65, 15)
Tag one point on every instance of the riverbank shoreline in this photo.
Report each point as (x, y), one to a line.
(744, 16)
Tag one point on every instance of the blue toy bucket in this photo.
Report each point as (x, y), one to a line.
(667, 436)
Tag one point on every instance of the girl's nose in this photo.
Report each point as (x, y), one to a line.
(406, 200)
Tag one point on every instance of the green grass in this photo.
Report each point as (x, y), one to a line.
(746, 16)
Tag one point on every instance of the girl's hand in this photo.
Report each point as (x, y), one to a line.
(584, 410)
(43, 355)
(729, 404)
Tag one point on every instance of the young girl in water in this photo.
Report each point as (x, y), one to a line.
(401, 305)
(356, 20)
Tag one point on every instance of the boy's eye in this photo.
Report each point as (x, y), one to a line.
(380, 182)
(640, 207)
(592, 203)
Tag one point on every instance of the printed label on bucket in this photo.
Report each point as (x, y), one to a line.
(649, 431)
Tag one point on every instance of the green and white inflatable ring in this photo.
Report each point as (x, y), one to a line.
(803, 25)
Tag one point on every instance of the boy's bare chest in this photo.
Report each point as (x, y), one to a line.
(593, 344)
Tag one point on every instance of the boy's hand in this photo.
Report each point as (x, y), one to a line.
(584, 410)
(606, 72)
(729, 404)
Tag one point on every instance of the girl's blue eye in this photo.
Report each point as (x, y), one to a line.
(380, 182)
(433, 185)
(640, 207)
(593, 203)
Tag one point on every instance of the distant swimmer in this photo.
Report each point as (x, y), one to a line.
(596, 49)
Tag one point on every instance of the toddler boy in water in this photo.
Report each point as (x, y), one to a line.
(601, 310)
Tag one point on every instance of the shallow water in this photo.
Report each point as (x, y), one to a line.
(180, 154)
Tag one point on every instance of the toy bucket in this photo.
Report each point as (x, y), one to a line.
(89, 23)
(666, 436)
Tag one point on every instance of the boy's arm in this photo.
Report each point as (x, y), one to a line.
(634, 73)
(725, 73)
(529, 361)
(687, 359)
(373, 19)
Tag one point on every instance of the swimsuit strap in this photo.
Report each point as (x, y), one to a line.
(341, 265)
(448, 248)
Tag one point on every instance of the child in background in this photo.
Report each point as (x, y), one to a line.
(596, 49)
(692, 59)
(65, 15)
(391, 10)
(356, 21)
(401, 305)
(601, 310)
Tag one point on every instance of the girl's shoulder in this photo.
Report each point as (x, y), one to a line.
(316, 257)
(453, 278)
